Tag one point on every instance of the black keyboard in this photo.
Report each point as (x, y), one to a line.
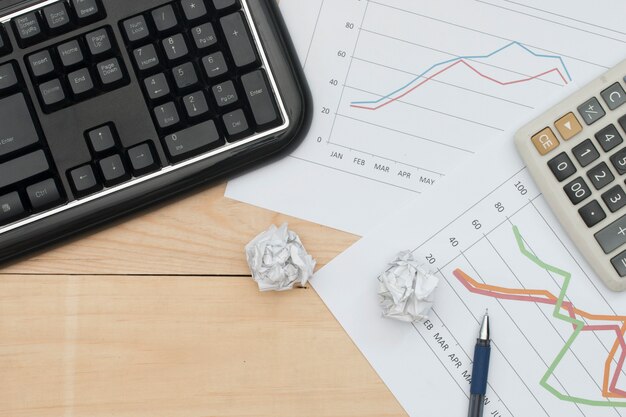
(107, 106)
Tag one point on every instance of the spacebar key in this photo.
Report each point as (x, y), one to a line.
(23, 168)
(190, 141)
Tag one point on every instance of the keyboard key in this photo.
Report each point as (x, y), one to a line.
(101, 139)
(614, 96)
(185, 76)
(225, 94)
(592, 213)
(99, 42)
(164, 18)
(568, 126)
(224, 4)
(236, 123)
(5, 44)
(261, 100)
(11, 208)
(17, 129)
(615, 198)
(28, 28)
(8, 77)
(110, 73)
(146, 57)
(613, 236)
(591, 111)
(136, 28)
(195, 104)
(619, 161)
(204, 36)
(609, 138)
(52, 93)
(619, 263)
(166, 115)
(57, 17)
(80, 82)
(41, 63)
(84, 181)
(600, 176)
(157, 86)
(70, 53)
(238, 39)
(142, 159)
(562, 167)
(44, 195)
(215, 65)
(545, 141)
(577, 190)
(190, 141)
(113, 170)
(23, 168)
(175, 47)
(87, 10)
(193, 9)
(585, 153)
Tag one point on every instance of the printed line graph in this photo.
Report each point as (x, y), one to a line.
(609, 390)
(451, 63)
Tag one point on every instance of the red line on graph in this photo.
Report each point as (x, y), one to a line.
(461, 61)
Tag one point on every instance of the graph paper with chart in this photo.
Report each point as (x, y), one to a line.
(406, 91)
(558, 334)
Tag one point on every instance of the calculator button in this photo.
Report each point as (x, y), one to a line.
(562, 167)
(238, 39)
(146, 57)
(193, 9)
(113, 170)
(157, 86)
(214, 65)
(585, 152)
(619, 161)
(622, 122)
(577, 190)
(175, 47)
(615, 198)
(41, 63)
(600, 176)
(613, 236)
(99, 42)
(195, 104)
(591, 111)
(614, 96)
(28, 28)
(164, 18)
(136, 28)
(568, 126)
(545, 141)
(84, 181)
(204, 36)
(609, 138)
(57, 17)
(592, 213)
(185, 76)
(619, 263)
(167, 115)
(8, 77)
(70, 53)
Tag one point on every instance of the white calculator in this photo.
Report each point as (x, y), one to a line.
(577, 155)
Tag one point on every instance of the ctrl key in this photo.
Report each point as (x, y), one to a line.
(11, 208)
(44, 195)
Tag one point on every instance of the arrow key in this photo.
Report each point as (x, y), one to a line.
(113, 170)
(142, 159)
(84, 181)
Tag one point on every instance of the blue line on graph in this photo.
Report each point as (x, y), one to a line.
(467, 57)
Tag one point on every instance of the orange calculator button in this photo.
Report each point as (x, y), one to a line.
(545, 141)
(568, 126)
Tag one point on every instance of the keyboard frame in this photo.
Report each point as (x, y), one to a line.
(293, 100)
(552, 189)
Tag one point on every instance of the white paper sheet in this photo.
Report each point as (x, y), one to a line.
(447, 78)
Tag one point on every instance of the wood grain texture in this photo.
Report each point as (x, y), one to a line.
(185, 346)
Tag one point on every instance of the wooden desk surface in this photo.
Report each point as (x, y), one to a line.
(157, 316)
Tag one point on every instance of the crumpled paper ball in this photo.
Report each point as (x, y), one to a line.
(406, 290)
(278, 260)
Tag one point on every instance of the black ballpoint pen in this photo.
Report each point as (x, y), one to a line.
(480, 370)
